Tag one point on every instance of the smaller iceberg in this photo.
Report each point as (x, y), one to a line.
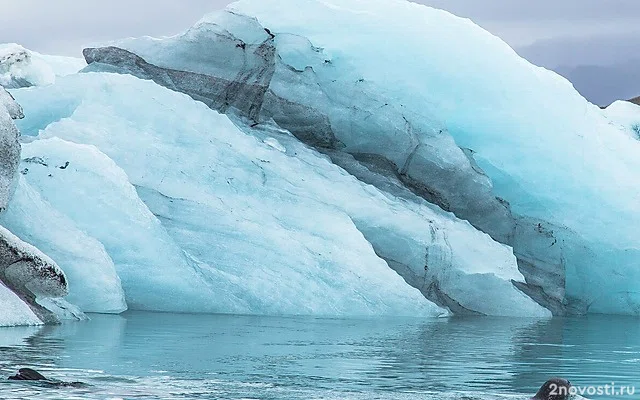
(20, 67)
(626, 115)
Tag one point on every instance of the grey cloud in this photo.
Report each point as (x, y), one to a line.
(525, 10)
(599, 50)
(603, 69)
(522, 23)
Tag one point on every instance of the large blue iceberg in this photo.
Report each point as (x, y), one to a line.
(357, 158)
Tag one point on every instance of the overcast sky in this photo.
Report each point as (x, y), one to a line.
(559, 34)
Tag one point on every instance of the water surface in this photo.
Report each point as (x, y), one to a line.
(166, 356)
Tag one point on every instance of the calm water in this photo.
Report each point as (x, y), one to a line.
(164, 356)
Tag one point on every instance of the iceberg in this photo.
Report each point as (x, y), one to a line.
(413, 99)
(570, 179)
(360, 158)
(20, 67)
(203, 213)
(9, 104)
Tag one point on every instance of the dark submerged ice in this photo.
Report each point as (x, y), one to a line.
(28, 374)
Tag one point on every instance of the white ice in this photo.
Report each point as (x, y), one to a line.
(15, 312)
(22, 67)
(626, 115)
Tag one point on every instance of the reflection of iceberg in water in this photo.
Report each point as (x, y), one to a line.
(62, 351)
(608, 350)
(92, 346)
(538, 350)
(22, 346)
(17, 336)
(456, 355)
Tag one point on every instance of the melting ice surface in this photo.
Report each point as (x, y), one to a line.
(537, 167)
(194, 215)
(153, 356)
(152, 201)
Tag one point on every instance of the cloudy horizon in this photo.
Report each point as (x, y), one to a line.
(592, 43)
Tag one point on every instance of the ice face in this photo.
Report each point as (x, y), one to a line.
(20, 67)
(199, 215)
(71, 174)
(94, 285)
(548, 152)
(264, 78)
(441, 106)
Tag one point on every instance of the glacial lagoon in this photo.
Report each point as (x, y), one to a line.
(168, 356)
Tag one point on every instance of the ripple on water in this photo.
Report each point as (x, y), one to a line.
(163, 356)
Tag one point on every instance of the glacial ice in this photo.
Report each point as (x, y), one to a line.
(626, 115)
(94, 285)
(9, 146)
(10, 105)
(407, 111)
(449, 109)
(15, 312)
(549, 153)
(202, 215)
(20, 67)
(31, 284)
(230, 62)
(67, 174)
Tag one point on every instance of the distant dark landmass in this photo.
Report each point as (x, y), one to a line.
(603, 69)
(602, 85)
